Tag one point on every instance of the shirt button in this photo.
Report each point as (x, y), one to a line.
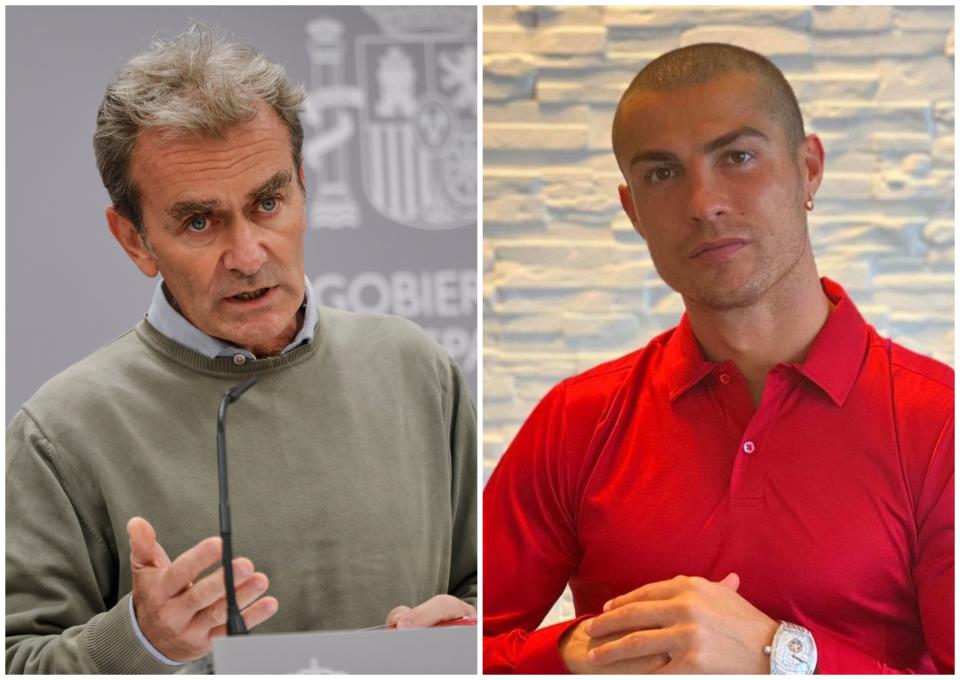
(748, 447)
(725, 378)
(239, 359)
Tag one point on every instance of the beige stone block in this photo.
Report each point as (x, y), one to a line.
(570, 40)
(535, 136)
(769, 41)
(847, 19)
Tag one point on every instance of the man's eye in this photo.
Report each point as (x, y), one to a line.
(659, 175)
(268, 204)
(198, 224)
(739, 157)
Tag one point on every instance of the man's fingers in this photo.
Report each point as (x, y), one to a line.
(659, 590)
(634, 645)
(254, 615)
(189, 565)
(211, 588)
(396, 613)
(436, 609)
(144, 549)
(731, 581)
(248, 590)
(633, 616)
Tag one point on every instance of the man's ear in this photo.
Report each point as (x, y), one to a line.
(129, 239)
(626, 200)
(812, 157)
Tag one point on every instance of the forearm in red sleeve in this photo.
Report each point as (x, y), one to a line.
(529, 547)
(527, 652)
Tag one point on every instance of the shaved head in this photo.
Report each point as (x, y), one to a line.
(696, 64)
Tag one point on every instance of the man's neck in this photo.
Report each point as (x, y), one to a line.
(778, 328)
(274, 348)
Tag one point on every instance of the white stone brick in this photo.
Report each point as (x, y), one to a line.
(768, 41)
(922, 18)
(848, 19)
(819, 86)
(497, 386)
(530, 112)
(535, 136)
(900, 143)
(641, 41)
(898, 185)
(865, 118)
(508, 65)
(569, 15)
(678, 17)
(940, 233)
(590, 331)
(555, 91)
(506, 38)
(570, 40)
(499, 14)
(943, 152)
(943, 118)
(514, 208)
(879, 45)
(916, 79)
(846, 185)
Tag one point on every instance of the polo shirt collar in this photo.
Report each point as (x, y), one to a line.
(832, 362)
(175, 326)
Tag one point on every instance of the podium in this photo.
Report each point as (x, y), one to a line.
(443, 650)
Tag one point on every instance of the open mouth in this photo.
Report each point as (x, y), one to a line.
(251, 295)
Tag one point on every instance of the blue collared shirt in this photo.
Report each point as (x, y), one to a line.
(175, 326)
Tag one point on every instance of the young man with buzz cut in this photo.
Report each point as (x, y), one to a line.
(767, 487)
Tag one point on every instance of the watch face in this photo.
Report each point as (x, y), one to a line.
(794, 651)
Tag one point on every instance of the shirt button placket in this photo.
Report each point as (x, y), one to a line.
(748, 447)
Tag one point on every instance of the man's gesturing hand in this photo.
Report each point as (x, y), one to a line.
(438, 608)
(179, 614)
(704, 627)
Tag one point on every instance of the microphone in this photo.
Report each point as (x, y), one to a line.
(235, 624)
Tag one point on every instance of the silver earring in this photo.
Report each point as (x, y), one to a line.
(809, 204)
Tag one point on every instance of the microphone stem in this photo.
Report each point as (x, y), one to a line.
(235, 624)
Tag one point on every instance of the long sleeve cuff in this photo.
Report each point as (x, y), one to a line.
(541, 653)
(146, 643)
(113, 645)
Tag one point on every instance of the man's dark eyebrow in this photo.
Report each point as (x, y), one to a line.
(183, 209)
(271, 186)
(713, 145)
(730, 137)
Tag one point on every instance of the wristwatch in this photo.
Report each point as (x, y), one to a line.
(793, 651)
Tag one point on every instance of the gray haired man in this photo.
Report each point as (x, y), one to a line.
(352, 461)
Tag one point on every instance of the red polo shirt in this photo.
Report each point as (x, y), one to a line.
(833, 499)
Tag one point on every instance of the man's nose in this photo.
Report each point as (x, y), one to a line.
(708, 198)
(245, 252)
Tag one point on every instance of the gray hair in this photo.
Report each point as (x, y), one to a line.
(696, 64)
(196, 83)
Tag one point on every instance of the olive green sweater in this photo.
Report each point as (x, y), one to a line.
(352, 484)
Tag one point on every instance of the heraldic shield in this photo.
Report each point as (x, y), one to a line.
(418, 129)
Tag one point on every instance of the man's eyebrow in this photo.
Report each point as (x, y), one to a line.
(656, 155)
(184, 209)
(730, 137)
(271, 186)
